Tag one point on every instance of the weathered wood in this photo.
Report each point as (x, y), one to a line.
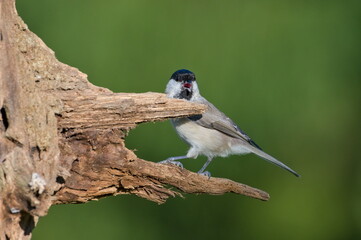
(98, 110)
(62, 138)
(111, 169)
(93, 127)
(29, 152)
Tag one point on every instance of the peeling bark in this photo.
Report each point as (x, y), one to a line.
(62, 138)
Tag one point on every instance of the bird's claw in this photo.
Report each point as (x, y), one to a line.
(168, 161)
(205, 173)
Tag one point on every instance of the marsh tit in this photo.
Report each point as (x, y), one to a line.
(212, 133)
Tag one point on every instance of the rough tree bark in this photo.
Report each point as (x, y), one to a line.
(62, 138)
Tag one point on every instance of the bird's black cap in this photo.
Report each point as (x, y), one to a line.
(183, 75)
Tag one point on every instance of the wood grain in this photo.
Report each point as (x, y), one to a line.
(62, 138)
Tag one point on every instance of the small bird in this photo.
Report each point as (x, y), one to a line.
(212, 133)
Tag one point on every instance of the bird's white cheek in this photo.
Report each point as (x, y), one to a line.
(173, 88)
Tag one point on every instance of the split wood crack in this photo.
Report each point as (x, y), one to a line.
(62, 138)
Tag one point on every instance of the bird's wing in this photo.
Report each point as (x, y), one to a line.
(215, 119)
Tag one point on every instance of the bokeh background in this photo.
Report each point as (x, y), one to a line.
(288, 72)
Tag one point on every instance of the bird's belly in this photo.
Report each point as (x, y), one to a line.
(203, 140)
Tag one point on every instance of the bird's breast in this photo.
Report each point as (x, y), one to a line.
(206, 141)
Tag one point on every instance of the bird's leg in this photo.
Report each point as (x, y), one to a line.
(173, 160)
(206, 173)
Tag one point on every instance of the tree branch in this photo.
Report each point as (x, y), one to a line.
(62, 138)
(93, 125)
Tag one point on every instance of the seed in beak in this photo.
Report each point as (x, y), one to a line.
(187, 85)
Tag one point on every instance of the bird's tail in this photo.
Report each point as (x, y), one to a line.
(273, 160)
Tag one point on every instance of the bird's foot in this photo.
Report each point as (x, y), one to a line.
(170, 161)
(205, 173)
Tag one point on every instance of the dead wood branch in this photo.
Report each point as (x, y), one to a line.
(62, 138)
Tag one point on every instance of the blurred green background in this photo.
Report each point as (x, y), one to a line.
(288, 72)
